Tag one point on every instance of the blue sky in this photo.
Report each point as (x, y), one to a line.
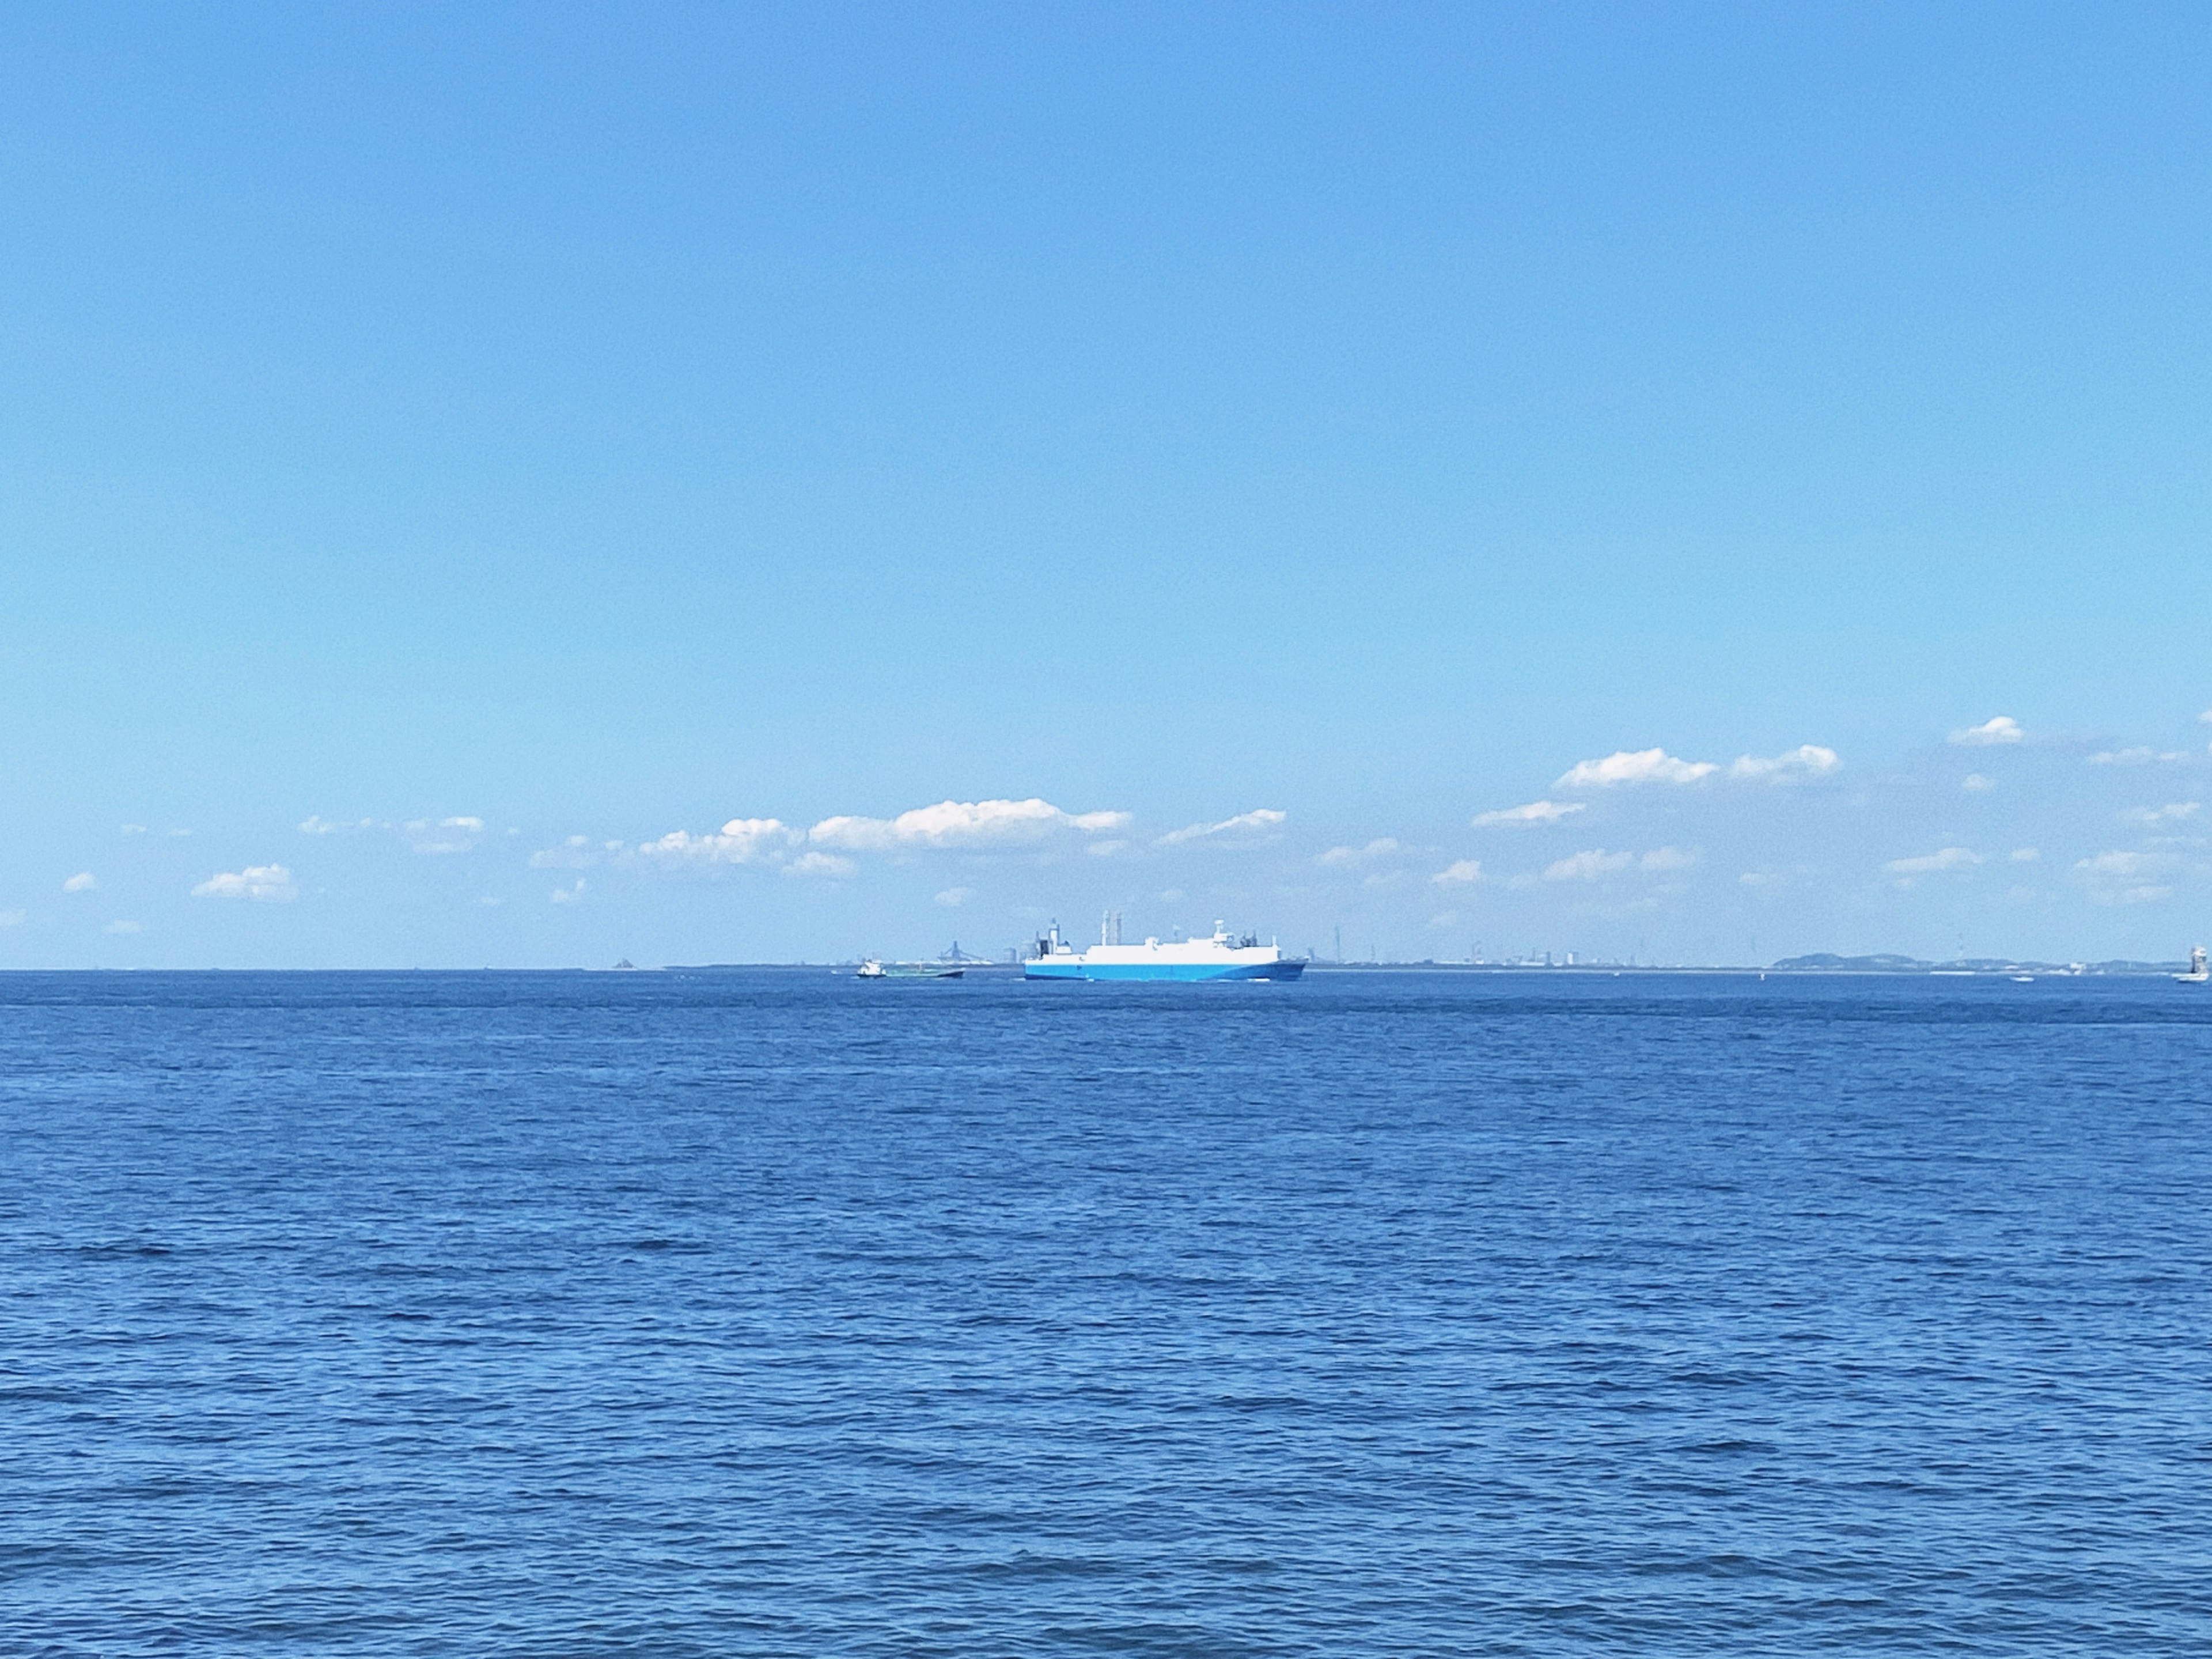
(589, 426)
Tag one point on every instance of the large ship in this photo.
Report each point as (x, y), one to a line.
(1218, 958)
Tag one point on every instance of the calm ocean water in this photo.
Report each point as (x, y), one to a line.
(777, 1313)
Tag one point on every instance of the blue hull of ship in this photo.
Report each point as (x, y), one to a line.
(1183, 973)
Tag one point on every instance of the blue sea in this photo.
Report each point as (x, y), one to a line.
(774, 1312)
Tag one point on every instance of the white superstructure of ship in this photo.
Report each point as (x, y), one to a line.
(1219, 957)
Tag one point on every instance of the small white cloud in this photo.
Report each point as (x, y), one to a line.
(961, 823)
(136, 829)
(83, 882)
(569, 895)
(1459, 872)
(490, 902)
(316, 825)
(1808, 760)
(2112, 863)
(741, 841)
(443, 835)
(2139, 756)
(1999, 728)
(271, 883)
(1256, 822)
(1977, 783)
(953, 897)
(1346, 857)
(819, 864)
(1927, 864)
(121, 927)
(12, 918)
(577, 852)
(1761, 879)
(1536, 811)
(1634, 766)
(1589, 866)
(2205, 719)
(1104, 849)
(2024, 854)
(2172, 813)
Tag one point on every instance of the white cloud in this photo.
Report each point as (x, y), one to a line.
(121, 927)
(961, 823)
(569, 895)
(12, 918)
(1589, 866)
(271, 883)
(1256, 822)
(1634, 766)
(2119, 878)
(1946, 857)
(136, 829)
(2205, 719)
(1998, 728)
(1461, 872)
(741, 841)
(83, 882)
(2024, 854)
(1977, 783)
(2112, 863)
(443, 835)
(2172, 813)
(2138, 755)
(819, 864)
(1807, 759)
(577, 852)
(1380, 847)
(1536, 811)
(953, 897)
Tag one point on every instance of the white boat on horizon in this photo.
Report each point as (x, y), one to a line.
(1174, 960)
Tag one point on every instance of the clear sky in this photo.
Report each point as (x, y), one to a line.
(454, 461)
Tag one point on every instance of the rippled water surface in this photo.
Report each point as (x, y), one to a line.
(777, 1313)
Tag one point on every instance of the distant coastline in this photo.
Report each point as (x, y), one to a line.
(1815, 964)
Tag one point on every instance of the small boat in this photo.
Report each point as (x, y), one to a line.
(873, 968)
(2198, 973)
(2023, 979)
